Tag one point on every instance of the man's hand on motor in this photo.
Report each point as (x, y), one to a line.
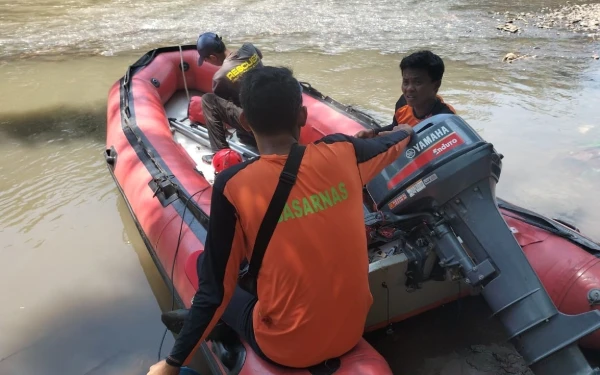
(162, 368)
(365, 134)
(404, 127)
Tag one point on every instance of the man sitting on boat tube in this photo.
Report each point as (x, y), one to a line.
(422, 74)
(223, 105)
(313, 285)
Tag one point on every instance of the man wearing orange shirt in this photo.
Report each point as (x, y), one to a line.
(422, 74)
(312, 292)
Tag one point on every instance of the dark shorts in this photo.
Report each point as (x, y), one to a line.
(238, 315)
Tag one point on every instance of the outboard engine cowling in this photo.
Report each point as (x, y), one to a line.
(437, 141)
(449, 173)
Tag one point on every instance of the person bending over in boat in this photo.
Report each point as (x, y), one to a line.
(222, 105)
(313, 285)
(422, 74)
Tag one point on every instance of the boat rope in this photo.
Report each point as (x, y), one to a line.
(201, 191)
(183, 73)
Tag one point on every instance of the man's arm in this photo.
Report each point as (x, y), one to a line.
(370, 133)
(217, 276)
(221, 88)
(374, 154)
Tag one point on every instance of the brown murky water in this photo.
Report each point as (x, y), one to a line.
(78, 291)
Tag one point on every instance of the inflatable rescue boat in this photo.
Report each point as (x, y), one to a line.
(425, 248)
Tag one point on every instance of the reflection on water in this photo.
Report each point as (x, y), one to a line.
(74, 273)
(132, 237)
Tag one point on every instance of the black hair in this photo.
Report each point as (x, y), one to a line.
(426, 60)
(271, 99)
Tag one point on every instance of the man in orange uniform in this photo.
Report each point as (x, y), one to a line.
(422, 74)
(313, 289)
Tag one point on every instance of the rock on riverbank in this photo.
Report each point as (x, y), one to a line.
(580, 18)
(577, 18)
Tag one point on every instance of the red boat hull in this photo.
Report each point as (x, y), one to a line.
(136, 122)
(567, 272)
(140, 149)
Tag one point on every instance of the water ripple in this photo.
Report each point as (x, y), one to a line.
(109, 27)
(43, 185)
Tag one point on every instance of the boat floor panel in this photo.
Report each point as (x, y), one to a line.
(177, 108)
(194, 139)
(177, 105)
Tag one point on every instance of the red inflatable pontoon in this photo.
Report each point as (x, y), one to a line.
(153, 152)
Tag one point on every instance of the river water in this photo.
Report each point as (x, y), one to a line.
(78, 292)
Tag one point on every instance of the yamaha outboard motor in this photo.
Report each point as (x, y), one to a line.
(449, 172)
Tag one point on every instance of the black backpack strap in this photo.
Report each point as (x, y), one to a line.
(287, 179)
